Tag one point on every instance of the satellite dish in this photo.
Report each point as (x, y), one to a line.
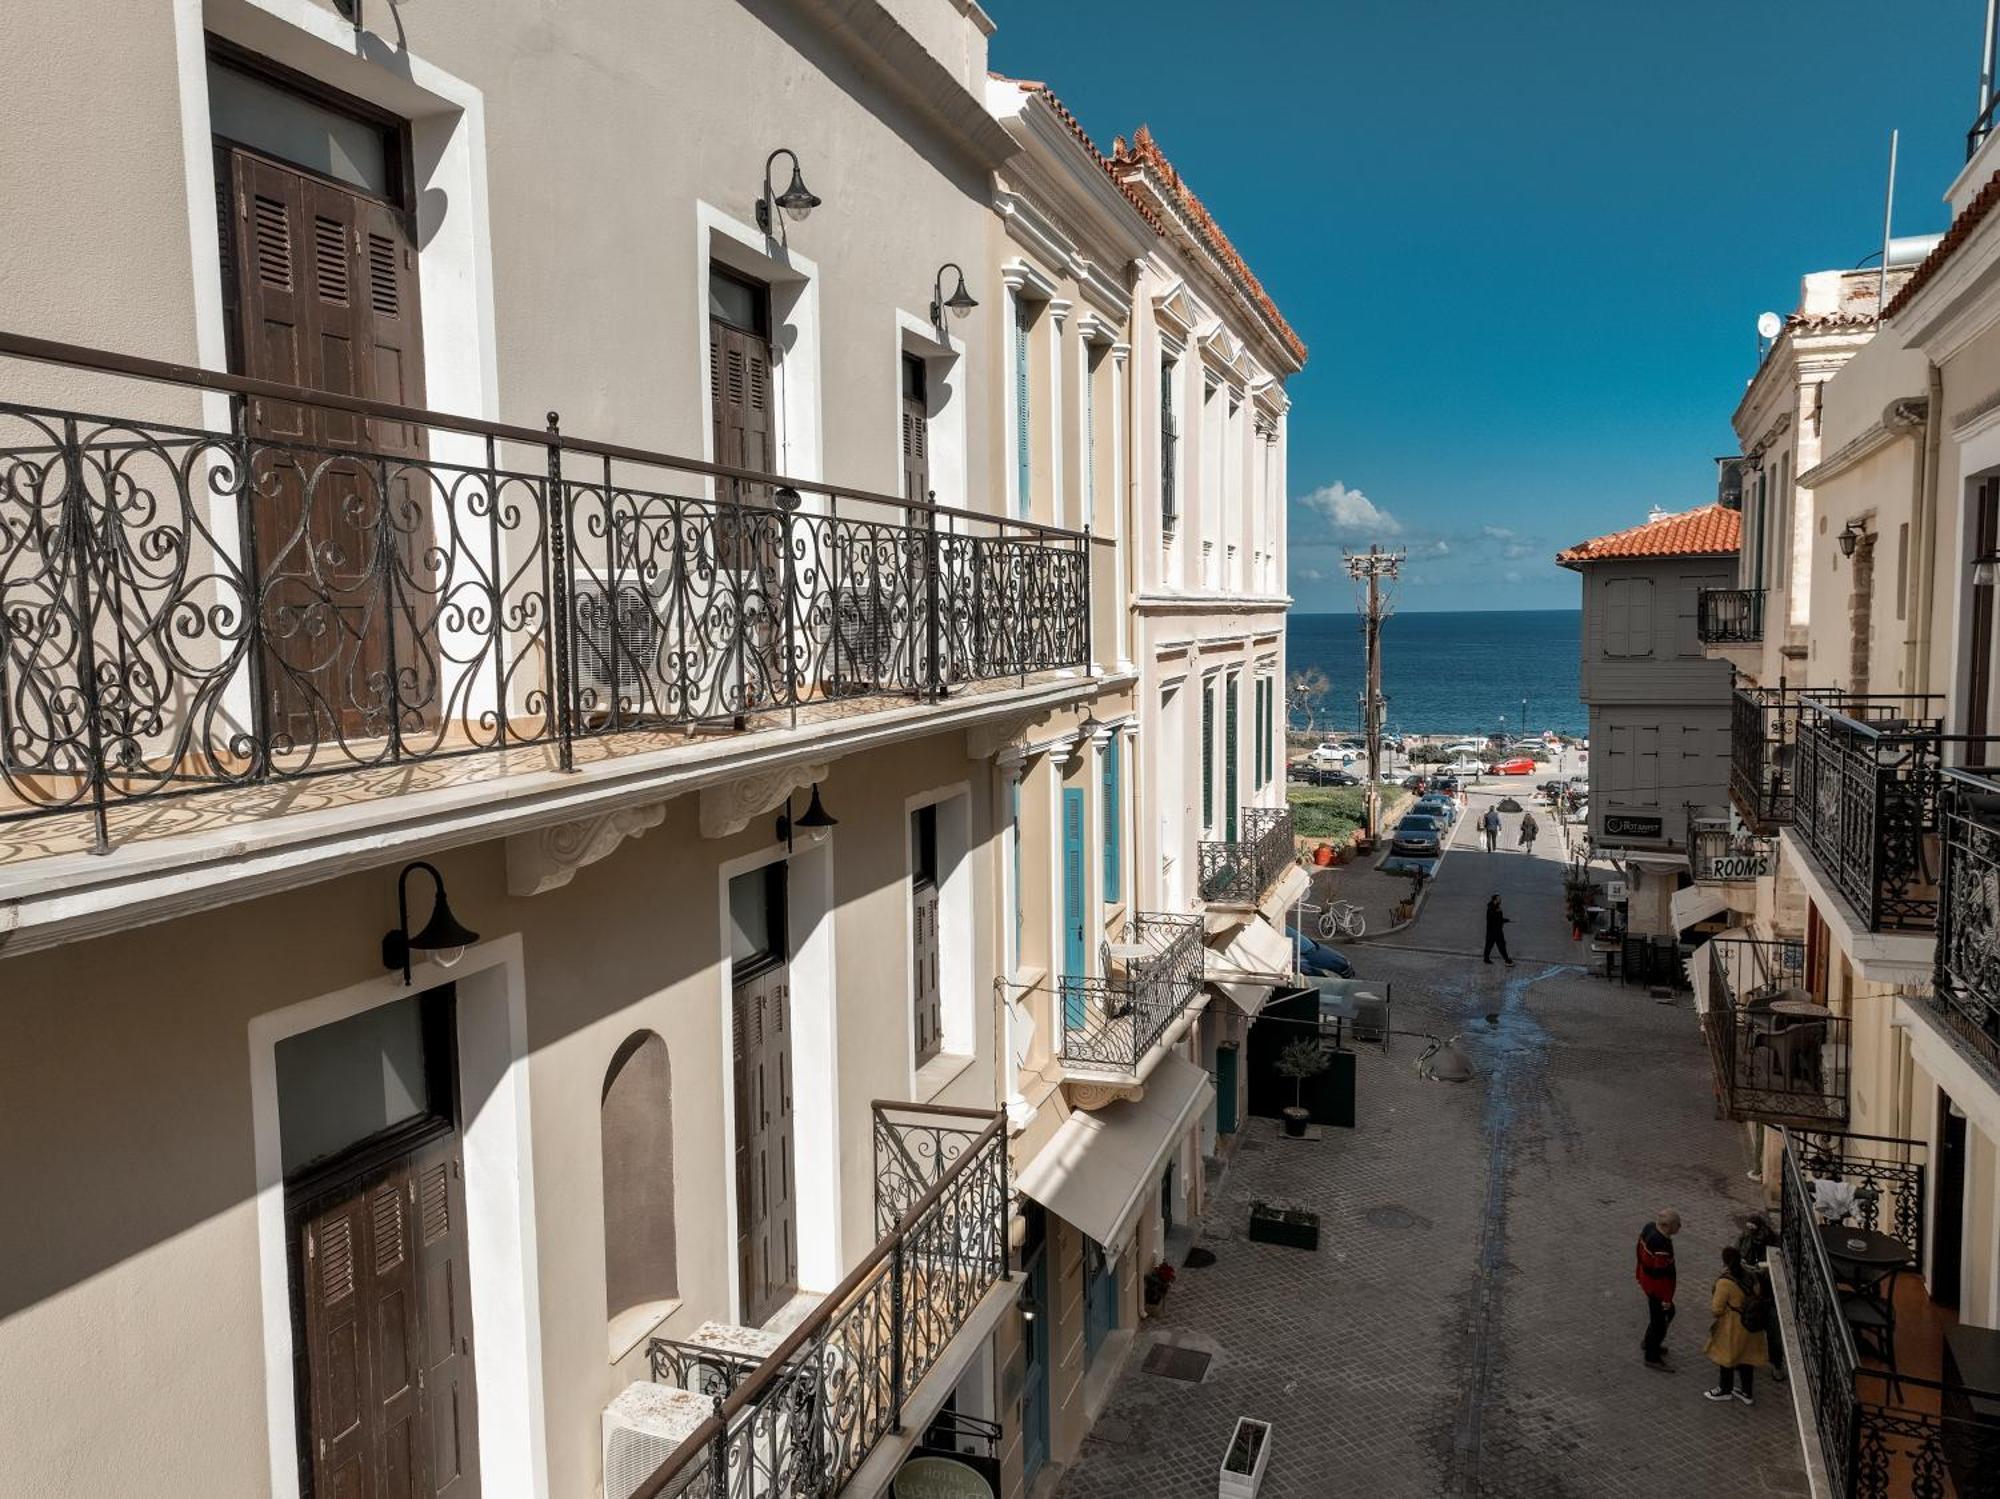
(1769, 325)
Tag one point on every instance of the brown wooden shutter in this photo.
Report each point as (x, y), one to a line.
(767, 1240)
(916, 450)
(449, 1394)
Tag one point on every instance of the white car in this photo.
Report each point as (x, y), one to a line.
(1465, 765)
(1466, 747)
(1331, 753)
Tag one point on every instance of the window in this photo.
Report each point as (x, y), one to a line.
(927, 993)
(916, 430)
(281, 122)
(361, 1077)
(1229, 758)
(1022, 460)
(1114, 813)
(636, 1119)
(757, 921)
(1090, 367)
(1207, 755)
(1169, 443)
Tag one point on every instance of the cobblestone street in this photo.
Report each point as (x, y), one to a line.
(1469, 1325)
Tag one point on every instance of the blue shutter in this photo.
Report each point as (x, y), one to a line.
(1021, 400)
(1257, 735)
(1076, 964)
(1112, 818)
(1207, 755)
(1229, 758)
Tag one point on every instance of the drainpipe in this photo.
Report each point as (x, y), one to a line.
(1923, 561)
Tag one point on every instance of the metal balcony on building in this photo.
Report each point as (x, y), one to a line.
(805, 1416)
(1730, 616)
(1239, 872)
(1965, 992)
(1898, 1398)
(1779, 1057)
(1763, 735)
(1107, 1026)
(287, 586)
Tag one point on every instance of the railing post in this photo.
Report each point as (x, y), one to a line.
(559, 594)
(1006, 1209)
(253, 588)
(934, 607)
(718, 1463)
(386, 552)
(76, 541)
(896, 1335)
(495, 578)
(1089, 633)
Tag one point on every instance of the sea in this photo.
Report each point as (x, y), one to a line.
(1475, 672)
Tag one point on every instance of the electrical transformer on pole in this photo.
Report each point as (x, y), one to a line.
(1370, 568)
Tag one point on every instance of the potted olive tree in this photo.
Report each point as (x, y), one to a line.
(1299, 1061)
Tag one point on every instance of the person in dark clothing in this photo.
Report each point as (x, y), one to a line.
(1657, 1277)
(1753, 1245)
(1496, 935)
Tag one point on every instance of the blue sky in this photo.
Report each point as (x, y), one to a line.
(1527, 241)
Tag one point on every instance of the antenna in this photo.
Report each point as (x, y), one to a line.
(1888, 216)
(1769, 325)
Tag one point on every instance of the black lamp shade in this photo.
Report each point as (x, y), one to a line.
(815, 814)
(1850, 535)
(960, 301)
(798, 200)
(443, 931)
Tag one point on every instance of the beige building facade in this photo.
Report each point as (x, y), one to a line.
(666, 516)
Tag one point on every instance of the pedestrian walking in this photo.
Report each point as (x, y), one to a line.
(1736, 1337)
(1528, 831)
(1496, 935)
(1753, 1244)
(1490, 823)
(1657, 1276)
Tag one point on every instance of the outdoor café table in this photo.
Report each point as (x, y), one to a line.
(1869, 1255)
(1800, 1009)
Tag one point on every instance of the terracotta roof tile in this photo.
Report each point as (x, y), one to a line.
(1030, 86)
(1144, 155)
(1982, 204)
(1711, 531)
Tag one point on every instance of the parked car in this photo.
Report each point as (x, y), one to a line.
(1306, 773)
(1317, 960)
(1417, 784)
(1334, 752)
(1466, 747)
(1447, 784)
(1518, 765)
(1437, 805)
(1465, 765)
(1420, 835)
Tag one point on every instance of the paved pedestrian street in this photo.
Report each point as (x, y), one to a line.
(1469, 1324)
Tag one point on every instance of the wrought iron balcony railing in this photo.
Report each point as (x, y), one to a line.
(1770, 1066)
(1109, 1024)
(1869, 773)
(1763, 738)
(1965, 992)
(187, 609)
(1730, 616)
(1719, 854)
(1882, 1433)
(1238, 873)
(805, 1419)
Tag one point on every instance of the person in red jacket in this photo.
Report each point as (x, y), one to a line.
(1656, 1279)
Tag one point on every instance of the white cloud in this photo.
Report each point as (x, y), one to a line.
(1511, 576)
(1349, 512)
(1496, 533)
(1443, 547)
(1311, 575)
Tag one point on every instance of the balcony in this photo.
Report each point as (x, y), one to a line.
(1965, 994)
(1763, 737)
(1106, 1027)
(1730, 616)
(1238, 873)
(1898, 1407)
(805, 1417)
(1771, 1066)
(232, 613)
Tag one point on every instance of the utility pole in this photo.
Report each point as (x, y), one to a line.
(1371, 568)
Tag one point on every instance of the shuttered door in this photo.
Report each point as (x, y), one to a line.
(323, 282)
(767, 1253)
(1985, 545)
(740, 386)
(1114, 805)
(916, 431)
(445, 1372)
(1207, 755)
(1023, 466)
(1229, 758)
(928, 999)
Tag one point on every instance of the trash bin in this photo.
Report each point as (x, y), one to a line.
(1335, 1104)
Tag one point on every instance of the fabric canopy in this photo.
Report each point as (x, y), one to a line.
(1285, 893)
(1697, 903)
(1103, 1164)
(1251, 961)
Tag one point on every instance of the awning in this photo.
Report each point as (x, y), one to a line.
(1103, 1164)
(1285, 893)
(1696, 903)
(1249, 963)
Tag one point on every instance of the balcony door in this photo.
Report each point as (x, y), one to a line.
(748, 543)
(319, 271)
(916, 430)
(1979, 679)
(767, 1256)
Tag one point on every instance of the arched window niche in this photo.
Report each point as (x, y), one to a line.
(641, 1282)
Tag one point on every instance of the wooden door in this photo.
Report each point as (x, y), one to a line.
(928, 997)
(387, 1388)
(1979, 666)
(916, 431)
(740, 402)
(766, 1215)
(323, 287)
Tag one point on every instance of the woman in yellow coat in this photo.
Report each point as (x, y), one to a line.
(1736, 1346)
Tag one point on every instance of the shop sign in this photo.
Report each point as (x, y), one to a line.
(947, 1475)
(1619, 826)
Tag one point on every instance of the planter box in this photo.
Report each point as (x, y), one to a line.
(1244, 1461)
(1291, 1227)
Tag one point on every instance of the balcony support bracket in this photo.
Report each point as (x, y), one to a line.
(548, 858)
(728, 808)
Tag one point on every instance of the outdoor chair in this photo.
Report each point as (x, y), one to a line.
(1872, 1321)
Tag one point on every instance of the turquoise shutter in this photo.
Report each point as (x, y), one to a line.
(1021, 400)
(1229, 764)
(1257, 737)
(1112, 819)
(1207, 755)
(1014, 810)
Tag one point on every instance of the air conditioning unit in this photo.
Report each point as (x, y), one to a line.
(642, 1429)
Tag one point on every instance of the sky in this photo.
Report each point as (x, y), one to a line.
(1526, 241)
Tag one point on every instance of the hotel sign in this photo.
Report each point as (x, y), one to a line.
(934, 1474)
(1732, 860)
(1618, 825)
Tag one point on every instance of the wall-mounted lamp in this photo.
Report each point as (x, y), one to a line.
(798, 200)
(958, 304)
(1850, 537)
(1029, 1312)
(813, 822)
(444, 937)
(1985, 571)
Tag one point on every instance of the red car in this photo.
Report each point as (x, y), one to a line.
(1520, 765)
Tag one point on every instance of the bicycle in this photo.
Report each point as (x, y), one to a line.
(1340, 918)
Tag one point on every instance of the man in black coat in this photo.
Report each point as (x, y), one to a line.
(1496, 935)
